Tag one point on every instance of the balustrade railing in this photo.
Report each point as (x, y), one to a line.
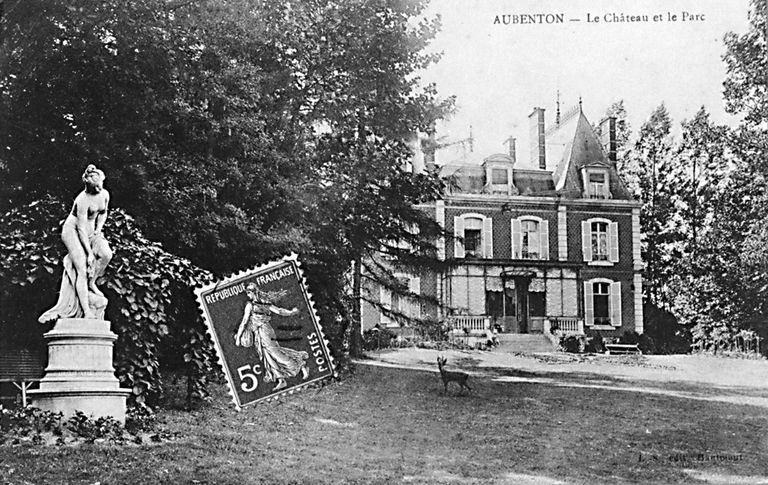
(470, 322)
(564, 324)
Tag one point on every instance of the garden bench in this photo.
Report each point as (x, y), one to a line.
(622, 349)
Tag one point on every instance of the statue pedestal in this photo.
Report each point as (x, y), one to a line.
(80, 375)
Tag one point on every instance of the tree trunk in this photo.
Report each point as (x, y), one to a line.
(355, 324)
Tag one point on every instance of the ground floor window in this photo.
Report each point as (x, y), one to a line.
(600, 297)
(602, 302)
(537, 304)
(501, 303)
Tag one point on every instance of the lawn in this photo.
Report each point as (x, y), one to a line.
(384, 425)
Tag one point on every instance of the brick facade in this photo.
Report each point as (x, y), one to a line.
(522, 251)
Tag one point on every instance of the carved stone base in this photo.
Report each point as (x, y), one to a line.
(80, 375)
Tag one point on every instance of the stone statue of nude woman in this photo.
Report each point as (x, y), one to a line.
(255, 330)
(88, 253)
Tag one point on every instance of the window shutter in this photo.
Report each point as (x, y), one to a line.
(544, 239)
(613, 240)
(415, 286)
(488, 238)
(385, 298)
(615, 303)
(586, 240)
(516, 239)
(589, 304)
(458, 233)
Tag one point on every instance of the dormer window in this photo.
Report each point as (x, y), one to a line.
(596, 183)
(499, 176)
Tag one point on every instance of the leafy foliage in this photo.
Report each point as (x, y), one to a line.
(256, 128)
(650, 165)
(149, 290)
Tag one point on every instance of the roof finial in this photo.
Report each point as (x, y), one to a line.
(557, 113)
(580, 104)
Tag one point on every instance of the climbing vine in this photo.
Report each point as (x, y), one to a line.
(150, 293)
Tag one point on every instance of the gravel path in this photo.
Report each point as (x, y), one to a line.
(738, 381)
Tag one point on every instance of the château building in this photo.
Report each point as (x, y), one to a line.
(556, 246)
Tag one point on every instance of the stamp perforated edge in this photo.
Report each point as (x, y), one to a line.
(293, 259)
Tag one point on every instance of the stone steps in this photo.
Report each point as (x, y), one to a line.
(524, 343)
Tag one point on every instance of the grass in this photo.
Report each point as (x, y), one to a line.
(386, 425)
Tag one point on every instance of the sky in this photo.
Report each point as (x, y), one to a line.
(500, 72)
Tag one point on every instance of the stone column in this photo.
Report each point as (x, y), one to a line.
(80, 375)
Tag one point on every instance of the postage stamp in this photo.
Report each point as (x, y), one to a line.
(267, 334)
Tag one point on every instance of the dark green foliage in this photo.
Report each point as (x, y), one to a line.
(149, 290)
(572, 343)
(235, 131)
(594, 342)
(644, 341)
(375, 339)
(722, 292)
(26, 420)
(92, 429)
(668, 335)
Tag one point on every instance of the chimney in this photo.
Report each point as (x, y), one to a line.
(608, 137)
(428, 147)
(538, 152)
(512, 148)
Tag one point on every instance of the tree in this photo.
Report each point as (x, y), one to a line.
(702, 164)
(355, 72)
(728, 283)
(746, 82)
(236, 131)
(649, 163)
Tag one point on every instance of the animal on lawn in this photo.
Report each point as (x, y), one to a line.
(452, 376)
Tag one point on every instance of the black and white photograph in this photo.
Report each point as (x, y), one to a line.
(383, 241)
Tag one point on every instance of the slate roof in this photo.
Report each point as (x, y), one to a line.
(585, 149)
(575, 145)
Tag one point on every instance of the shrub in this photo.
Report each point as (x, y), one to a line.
(643, 341)
(26, 420)
(378, 338)
(669, 336)
(102, 428)
(431, 329)
(149, 291)
(572, 343)
(595, 344)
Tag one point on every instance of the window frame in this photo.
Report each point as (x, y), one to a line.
(612, 242)
(593, 190)
(486, 235)
(517, 234)
(614, 304)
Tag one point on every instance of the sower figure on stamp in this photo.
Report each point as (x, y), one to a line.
(88, 253)
(255, 330)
